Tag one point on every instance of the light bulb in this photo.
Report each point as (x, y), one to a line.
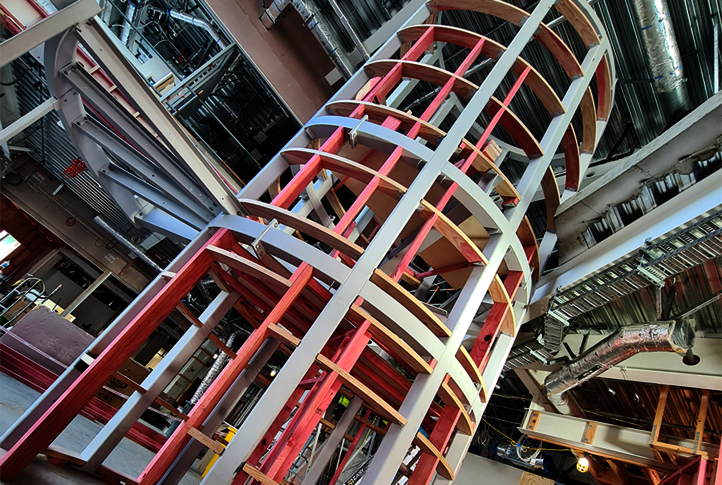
(583, 464)
(273, 372)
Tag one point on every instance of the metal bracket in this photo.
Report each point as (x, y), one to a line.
(257, 245)
(353, 134)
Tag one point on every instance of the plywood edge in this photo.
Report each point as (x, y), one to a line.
(427, 447)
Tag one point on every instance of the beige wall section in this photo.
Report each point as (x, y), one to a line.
(479, 470)
(288, 54)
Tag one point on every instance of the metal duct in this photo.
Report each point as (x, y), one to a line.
(663, 54)
(674, 336)
(349, 29)
(213, 372)
(122, 240)
(125, 30)
(184, 17)
(320, 29)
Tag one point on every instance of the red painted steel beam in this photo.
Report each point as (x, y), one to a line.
(62, 412)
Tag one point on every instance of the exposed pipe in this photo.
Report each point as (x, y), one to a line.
(122, 240)
(213, 372)
(320, 29)
(674, 336)
(663, 55)
(184, 17)
(125, 30)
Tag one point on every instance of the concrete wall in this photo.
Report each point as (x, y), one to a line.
(288, 54)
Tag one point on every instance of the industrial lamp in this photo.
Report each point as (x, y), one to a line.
(583, 464)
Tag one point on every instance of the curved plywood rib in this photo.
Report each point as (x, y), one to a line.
(418, 309)
(551, 196)
(604, 89)
(385, 337)
(423, 72)
(371, 398)
(483, 164)
(579, 21)
(443, 468)
(244, 265)
(515, 15)
(317, 231)
(589, 116)
(492, 50)
(463, 424)
(526, 236)
(516, 128)
(378, 113)
(465, 360)
(571, 159)
(453, 234)
(345, 167)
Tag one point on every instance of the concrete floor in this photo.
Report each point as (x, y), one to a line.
(129, 457)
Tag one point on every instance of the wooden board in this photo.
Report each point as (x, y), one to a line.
(579, 21)
(423, 72)
(551, 193)
(345, 167)
(393, 342)
(525, 233)
(463, 424)
(462, 355)
(571, 161)
(531, 479)
(483, 164)
(255, 473)
(64, 455)
(492, 50)
(511, 123)
(247, 266)
(378, 113)
(604, 88)
(371, 398)
(495, 8)
(317, 231)
(283, 335)
(418, 309)
(427, 447)
(453, 234)
(208, 442)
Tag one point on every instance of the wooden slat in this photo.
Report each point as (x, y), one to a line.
(283, 335)
(483, 164)
(443, 468)
(497, 8)
(317, 231)
(255, 473)
(64, 455)
(221, 346)
(450, 398)
(516, 128)
(462, 355)
(426, 316)
(453, 234)
(113, 474)
(213, 272)
(345, 167)
(171, 408)
(391, 341)
(245, 265)
(378, 113)
(423, 72)
(579, 21)
(208, 442)
(525, 233)
(701, 419)
(370, 397)
(589, 125)
(551, 193)
(130, 382)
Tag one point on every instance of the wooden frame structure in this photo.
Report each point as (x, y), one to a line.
(437, 191)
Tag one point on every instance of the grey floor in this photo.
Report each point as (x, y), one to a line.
(129, 457)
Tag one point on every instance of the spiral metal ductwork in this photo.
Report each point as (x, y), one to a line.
(184, 17)
(214, 371)
(675, 336)
(662, 50)
(320, 30)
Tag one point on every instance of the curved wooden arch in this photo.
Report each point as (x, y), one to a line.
(534, 81)
(378, 113)
(548, 38)
(345, 167)
(423, 72)
(317, 231)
